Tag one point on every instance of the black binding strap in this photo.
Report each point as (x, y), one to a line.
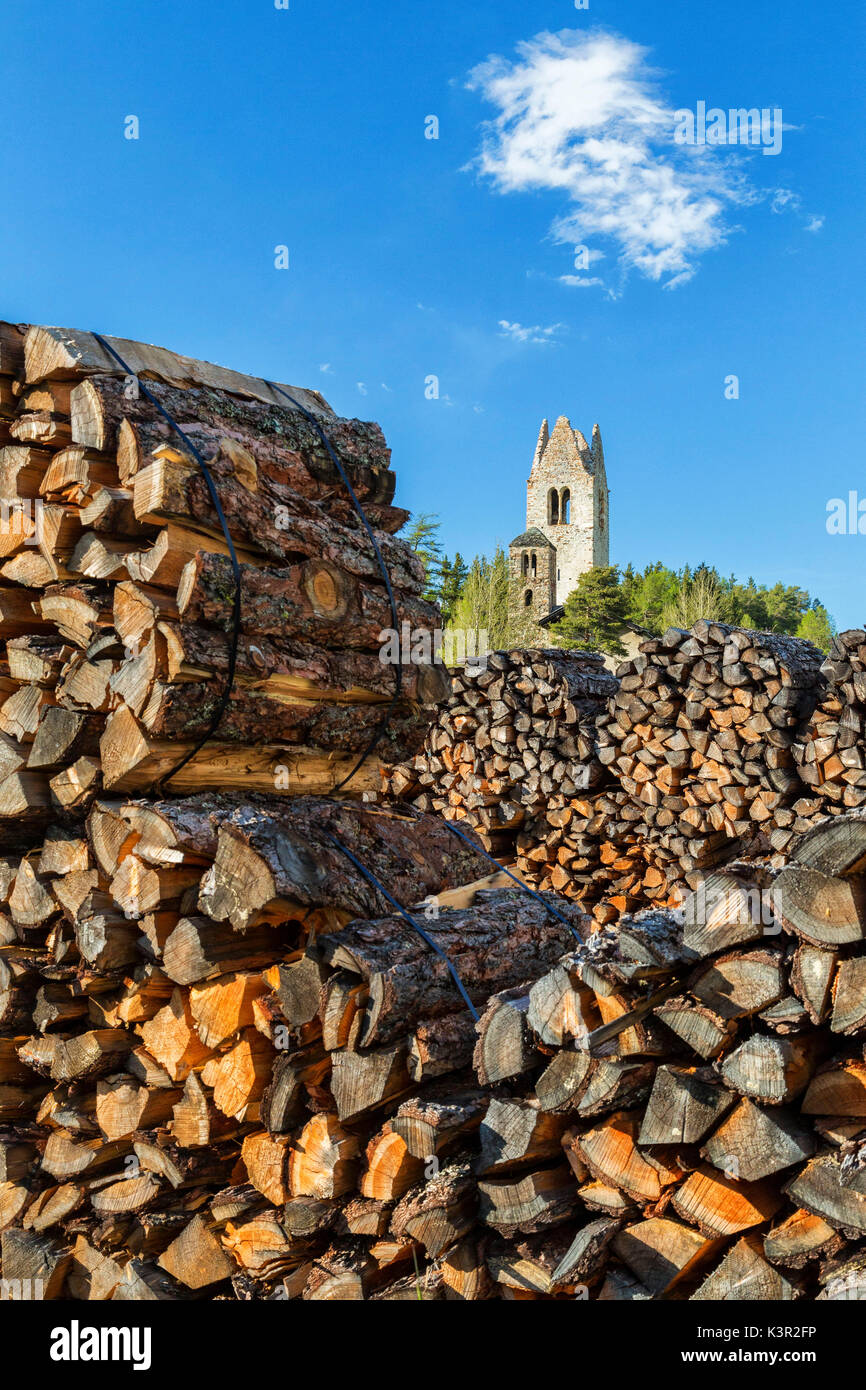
(236, 611)
(398, 685)
(554, 912)
(372, 879)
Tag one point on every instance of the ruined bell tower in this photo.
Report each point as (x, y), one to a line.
(567, 500)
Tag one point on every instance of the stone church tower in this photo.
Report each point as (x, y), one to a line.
(567, 520)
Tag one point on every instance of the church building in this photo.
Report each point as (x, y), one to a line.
(567, 521)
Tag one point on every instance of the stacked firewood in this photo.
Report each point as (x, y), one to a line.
(699, 743)
(601, 852)
(117, 592)
(700, 736)
(202, 1015)
(672, 1108)
(11, 360)
(708, 1080)
(831, 757)
(691, 760)
(229, 1066)
(141, 971)
(517, 730)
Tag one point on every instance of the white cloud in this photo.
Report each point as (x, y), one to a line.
(386, 387)
(784, 198)
(519, 333)
(581, 114)
(327, 368)
(582, 280)
(362, 388)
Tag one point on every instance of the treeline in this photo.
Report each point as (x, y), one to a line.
(607, 599)
(658, 597)
(474, 600)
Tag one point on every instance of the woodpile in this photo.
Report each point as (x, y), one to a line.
(831, 758)
(273, 1097)
(232, 1065)
(698, 752)
(117, 591)
(600, 851)
(700, 741)
(205, 1026)
(517, 730)
(144, 944)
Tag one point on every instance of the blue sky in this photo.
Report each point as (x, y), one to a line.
(410, 257)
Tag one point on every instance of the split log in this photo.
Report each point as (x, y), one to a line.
(663, 1253)
(406, 981)
(745, 1276)
(529, 1203)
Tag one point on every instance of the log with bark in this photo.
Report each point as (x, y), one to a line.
(154, 1058)
(226, 1104)
(118, 592)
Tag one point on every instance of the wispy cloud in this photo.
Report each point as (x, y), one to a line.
(785, 199)
(326, 368)
(580, 280)
(815, 224)
(519, 333)
(581, 114)
(362, 388)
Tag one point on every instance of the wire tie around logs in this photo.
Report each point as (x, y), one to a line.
(236, 610)
(398, 688)
(539, 897)
(416, 927)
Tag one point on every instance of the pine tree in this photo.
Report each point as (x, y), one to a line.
(423, 536)
(452, 578)
(595, 613)
(659, 597)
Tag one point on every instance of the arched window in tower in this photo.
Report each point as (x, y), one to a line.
(525, 564)
(565, 508)
(534, 564)
(527, 598)
(553, 507)
(602, 512)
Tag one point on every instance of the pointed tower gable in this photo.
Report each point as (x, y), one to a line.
(601, 503)
(583, 450)
(543, 438)
(597, 450)
(567, 444)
